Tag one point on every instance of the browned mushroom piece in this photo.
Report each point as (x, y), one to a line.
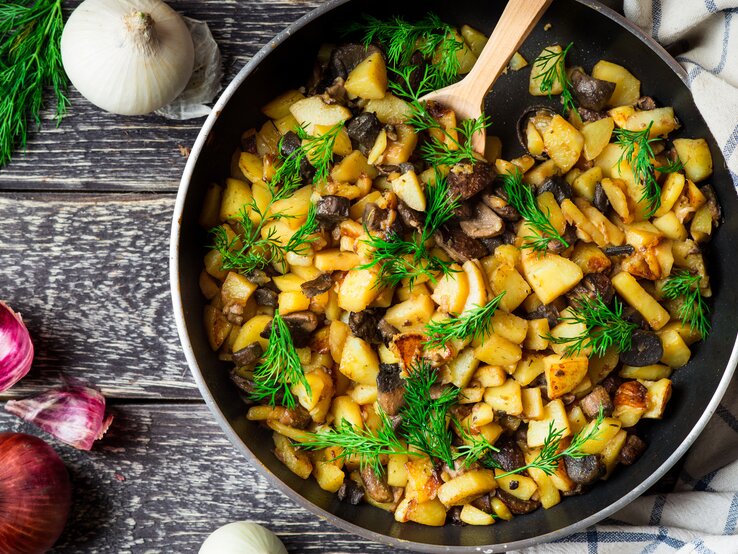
(645, 103)
(381, 220)
(322, 283)
(646, 349)
(346, 57)
(365, 325)
(595, 400)
(266, 297)
(588, 116)
(633, 448)
(590, 93)
(585, 470)
(375, 485)
(483, 503)
(557, 186)
(248, 354)
(363, 130)
(332, 209)
(458, 245)
(516, 505)
(413, 219)
(497, 202)
(537, 114)
(300, 325)
(484, 223)
(545, 311)
(287, 145)
(297, 417)
(491, 244)
(509, 457)
(390, 389)
(350, 492)
(590, 287)
(466, 180)
(712, 204)
(612, 383)
(387, 331)
(244, 384)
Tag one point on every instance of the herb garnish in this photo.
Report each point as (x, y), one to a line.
(30, 60)
(555, 70)
(521, 197)
(401, 39)
(605, 327)
(279, 368)
(472, 323)
(475, 448)
(693, 311)
(636, 149)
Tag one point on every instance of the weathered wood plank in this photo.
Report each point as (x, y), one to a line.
(164, 477)
(85, 151)
(90, 276)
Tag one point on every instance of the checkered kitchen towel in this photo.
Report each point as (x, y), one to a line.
(701, 514)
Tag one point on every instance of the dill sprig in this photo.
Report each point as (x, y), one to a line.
(671, 167)
(476, 448)
(30, 61)
(279, 368)
(457, 146)
(425, 419)
(605, 327)
(399, 259)
(555, 70)
(304, 236)
(472, 323)
(684, 286)
(636, 149)
(547, 459)
(401, 39)
(521, 197)
(367, 446)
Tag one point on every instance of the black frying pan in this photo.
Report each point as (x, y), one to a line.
(284, 63)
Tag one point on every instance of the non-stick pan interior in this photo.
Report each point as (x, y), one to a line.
(595, 36)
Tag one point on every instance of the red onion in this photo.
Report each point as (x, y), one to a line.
(16, 348)
(35, 494)
(74, 413)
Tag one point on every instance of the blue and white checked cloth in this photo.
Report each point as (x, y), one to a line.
(701, 514)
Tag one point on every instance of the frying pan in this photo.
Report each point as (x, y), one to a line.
(286, 62)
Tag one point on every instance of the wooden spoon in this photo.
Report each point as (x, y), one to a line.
(466, 96)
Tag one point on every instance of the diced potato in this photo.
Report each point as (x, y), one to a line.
(359, 362)
(407, 188)
(670, 226)
(627, 87)
(599, 438)
(251, 332)
(533, 140)
(517, 62)
(696, 157)
(481, 415)
(577, 419)
(590, 258)
(368, 80)
(297, 461)
(597, 135)
(490, 375)
(343, 408)
(649, 372)
(292, 301)
(496, 350)
(509, 326)
(549, 494)
(606, 228)
(585, 183)
(564, 374)
(338, 333)
(550, 275)
(467, 487)
(358, 289)
(363, 394)
(332, 259)
(432, 512)
(540, 67)
(216, 326)
(477, 285)
(399, 151)
(474, 516)
(288, 282)
(286, 124)
(294, 208)
(236, 196)
(549, 206)
(350, 168)
(451, 291)
(689, 335)
(630, 403)
(208, 286)
(662, 121)
(553, 413)
(563, 143)
(396, 472)
(612, 450)
(463, 367)
(313, 111)
(528, 368)
(329, 476)
(475, 40)
(500, 509)
(676, 352)
(635, 295)
(422, 480)
(541, 172)
(582, 222)
(659, 393)
(701, 227)
(568, 328)
(532, 403)
(390, 109)
(505, 398)
(517, 485)
(237, 289)
(380, 145)
(414, 312)
(616, 192)
(471, 395)
(280, 106)
(535, 337)
(267, 140)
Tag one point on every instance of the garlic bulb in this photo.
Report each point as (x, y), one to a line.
(128, 57)
(242, 537)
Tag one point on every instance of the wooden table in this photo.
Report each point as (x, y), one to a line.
(84, 237)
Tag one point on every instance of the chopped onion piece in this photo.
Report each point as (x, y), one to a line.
(74, 413)
(16, 348)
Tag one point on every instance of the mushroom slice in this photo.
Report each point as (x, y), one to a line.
(485, 223)
(540, 118)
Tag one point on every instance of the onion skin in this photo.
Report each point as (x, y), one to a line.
(16, 348)
(35, 494)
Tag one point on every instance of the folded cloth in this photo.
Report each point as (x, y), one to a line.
(701, 514)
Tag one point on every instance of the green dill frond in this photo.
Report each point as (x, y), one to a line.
(520, 196)
(671, 167)
(636, 149)
(279, 368)
(300, 242)
(605, 327)
(555, 64)
(476, 448)
(471, 324)
(693, 312)
(440, 206)
(30, 61)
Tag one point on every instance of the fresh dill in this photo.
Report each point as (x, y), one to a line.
(671, 167)
(472, 323)
(304, 236)
(425, 416)
(366, 445)
(30, 61)
(436, 41)
(521, 197)
(476, 448)
(279, 368)
(553, 66)
(604, 327)
(456, 145)
(693, 311)
(399, 259)
(636, 149)
(547, 459)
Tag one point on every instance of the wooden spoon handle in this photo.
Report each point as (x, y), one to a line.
(516, 22)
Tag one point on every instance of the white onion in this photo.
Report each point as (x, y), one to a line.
(242, 537)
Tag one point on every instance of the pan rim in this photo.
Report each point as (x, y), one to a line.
(235, 439)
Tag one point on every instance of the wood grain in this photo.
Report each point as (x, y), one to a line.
(164, 477)
(89, 274)
(91, 143)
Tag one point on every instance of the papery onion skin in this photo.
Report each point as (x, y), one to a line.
(35, 494)
(16, 348)
(74, 413)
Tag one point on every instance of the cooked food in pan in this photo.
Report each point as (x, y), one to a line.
(449, 336)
